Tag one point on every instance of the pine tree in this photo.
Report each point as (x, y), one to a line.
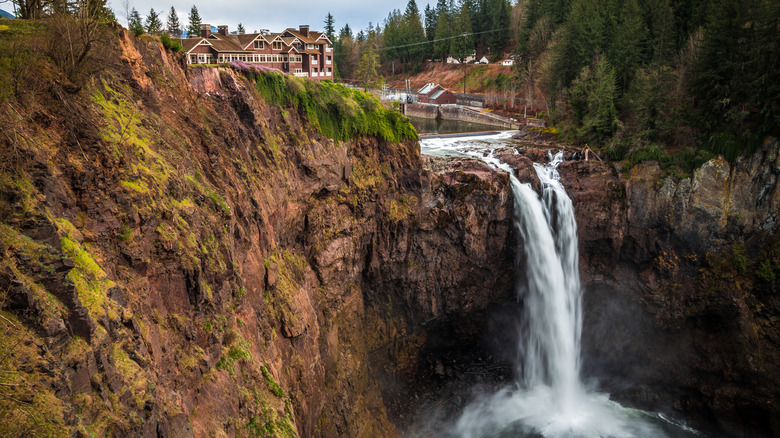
(153, 23)
(430, 29)
(195, 21)
(368, 69)
(414, 32)
(330, 29)
(461, 47)
(173, 25)
(240, 29)
(346, 31)
(592, 96)
(628, 43)
(135, 24)
(500, 21)
(659, 20)
(441, 46)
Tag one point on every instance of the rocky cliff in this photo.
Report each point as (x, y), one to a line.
(681, 307)
(222, 252)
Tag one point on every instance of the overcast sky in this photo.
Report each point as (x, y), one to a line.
(273, 15)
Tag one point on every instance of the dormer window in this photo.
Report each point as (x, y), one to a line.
(277, 45)
(258, 44)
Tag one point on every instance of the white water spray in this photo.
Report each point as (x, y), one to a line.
(548, 398)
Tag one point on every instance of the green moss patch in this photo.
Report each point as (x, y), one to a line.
(336, 111)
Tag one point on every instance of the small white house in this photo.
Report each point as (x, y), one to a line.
(508, 62)
(451, 60)
(470, 58)
(484, 60)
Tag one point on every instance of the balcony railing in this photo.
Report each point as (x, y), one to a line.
(301, 75)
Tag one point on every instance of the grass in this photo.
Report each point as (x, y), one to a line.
(334, 110)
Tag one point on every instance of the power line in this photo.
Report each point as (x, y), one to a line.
(444, 39)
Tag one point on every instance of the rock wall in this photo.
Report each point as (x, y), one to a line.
(681, 310)
(185, 253)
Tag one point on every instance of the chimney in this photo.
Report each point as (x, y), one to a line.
(222, 30)
(205, 30)
(304, 29)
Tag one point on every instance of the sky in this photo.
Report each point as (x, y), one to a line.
(275, 16)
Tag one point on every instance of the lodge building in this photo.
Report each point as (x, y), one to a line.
(300, 52)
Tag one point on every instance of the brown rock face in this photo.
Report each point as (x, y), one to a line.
(184, 258)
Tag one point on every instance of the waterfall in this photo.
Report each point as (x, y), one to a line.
(548, 399)
(550, 345)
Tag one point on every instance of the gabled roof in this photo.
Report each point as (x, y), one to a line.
(321, 37)
(248, 39)
(426, 89)
(297, 34)
(189, 43)
(437, 94)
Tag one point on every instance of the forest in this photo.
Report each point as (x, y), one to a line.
(671, 81)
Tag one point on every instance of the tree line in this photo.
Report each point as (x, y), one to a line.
(634, 77)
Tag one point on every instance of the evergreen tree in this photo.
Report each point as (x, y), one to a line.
(195, 21)
(173, 26)
(153, 23)
(441, 45)
(500, 21)
(659, 20)
(240, 29)
(346, 31)
(368, 69)
(583, 35)
(135, 24)
(461, 47)
(592, 96)
(430, 29)
(628, 43)
(394, 36)
(414, 32)
(330, 29)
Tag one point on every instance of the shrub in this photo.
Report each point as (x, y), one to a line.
(170, 44)
(765, 272)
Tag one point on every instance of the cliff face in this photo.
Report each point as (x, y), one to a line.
(681, 306)
(206, 252)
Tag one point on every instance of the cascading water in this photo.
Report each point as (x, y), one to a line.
(548, 398)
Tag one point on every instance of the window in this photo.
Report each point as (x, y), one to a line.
(258, 44)
(313, 59)
(309, 46)
(328, 60)
(298, 70)
(277, 45)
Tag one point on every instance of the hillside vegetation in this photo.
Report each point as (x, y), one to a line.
(640, 80)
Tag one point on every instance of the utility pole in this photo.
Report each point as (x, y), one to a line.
(464, 63)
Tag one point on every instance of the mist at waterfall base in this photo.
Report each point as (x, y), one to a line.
(547, 398)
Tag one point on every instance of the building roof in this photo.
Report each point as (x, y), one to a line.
(427, 88)
(437, 94)
(224, 43)
(188, 43)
